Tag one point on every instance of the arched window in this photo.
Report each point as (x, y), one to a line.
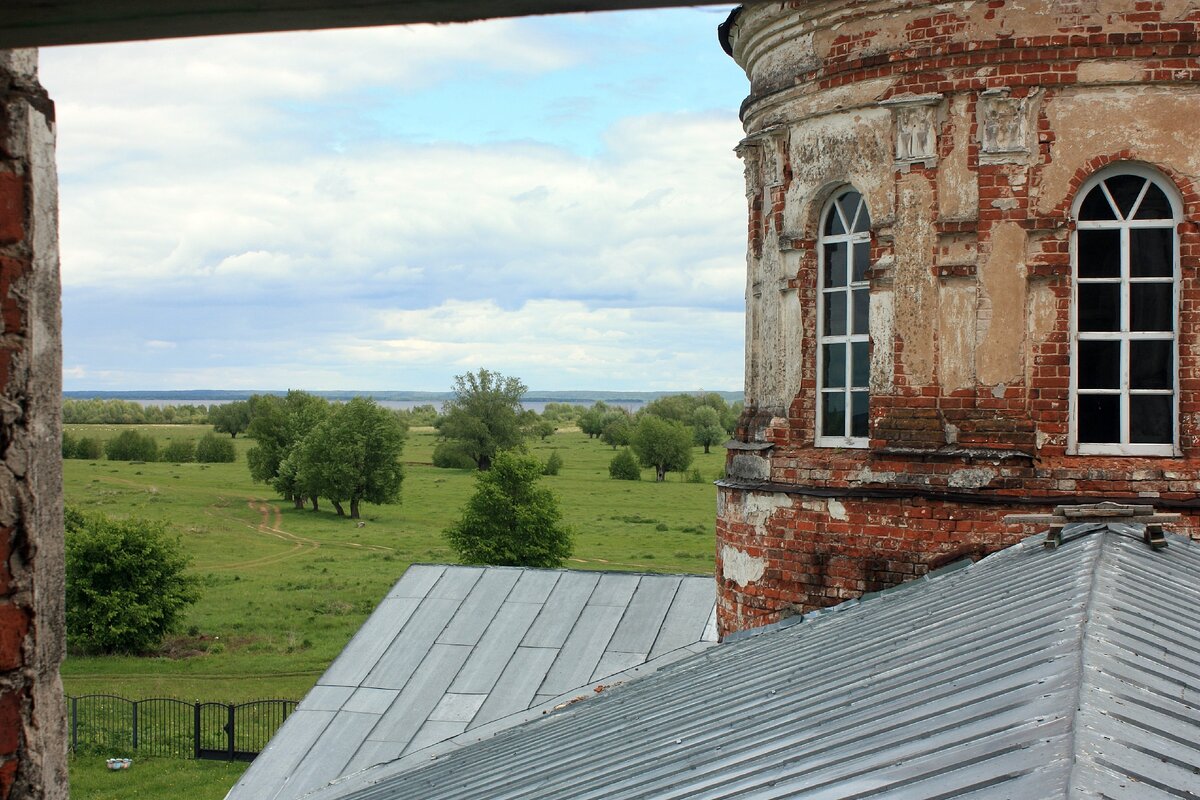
(843, 308)
(1124, 351)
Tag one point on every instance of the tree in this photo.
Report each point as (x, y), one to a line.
(179, 451)
(353, 454)
(706, 423)
(544, 427)
(616, 428)
(663, 444)
(131, 446)
(510, 520)
(624, 467)
(277, 425)
(484, 417)
(591, 421)
(231, 418)
(553, 464)
(127, 584)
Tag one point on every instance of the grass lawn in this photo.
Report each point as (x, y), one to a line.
(153, 778)
(284, 589)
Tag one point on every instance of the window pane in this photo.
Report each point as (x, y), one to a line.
(1150, 253)
(1099, 306)
(833, 223)
(1154, 205)
(1096, 206)
(1150, 307)
(1151, 365)
(1100, 254)
(858, 414)
(863, 223)
(862, 260)
(835, 313)
(1099, 365)
(1124, 190)
(834, 359)
(860, 365)
(1099, 418)
(835, 264)
(849, 203)
(833, 413)
(862, 311)
(1150, 418)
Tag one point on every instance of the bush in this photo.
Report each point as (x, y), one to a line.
(695, 477)
(89, 448)
(179, 451)
(624, 467)
(553, 464)
(126, 583)
(448, 455)
(132, 446)
(69, 445)
(212, 449)
(510, 520)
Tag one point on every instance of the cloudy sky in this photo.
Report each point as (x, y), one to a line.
(555, 198)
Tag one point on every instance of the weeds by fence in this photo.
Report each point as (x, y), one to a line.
(105, 724)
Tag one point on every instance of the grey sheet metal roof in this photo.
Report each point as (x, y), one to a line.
(454, 654)
(1030, 674)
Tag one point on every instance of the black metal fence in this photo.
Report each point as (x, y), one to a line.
(162, 726)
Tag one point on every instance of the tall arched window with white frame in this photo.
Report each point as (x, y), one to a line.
(843, 309)
(1124, 347)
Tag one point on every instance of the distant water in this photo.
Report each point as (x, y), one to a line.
(539, 406)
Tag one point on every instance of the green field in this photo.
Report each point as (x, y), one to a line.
(284, 589)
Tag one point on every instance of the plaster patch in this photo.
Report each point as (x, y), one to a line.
(1002, 280)
(971, 478)
(916, 300)
(956, 335)
(836, 510)
(740, 567)
(958, 185)
(883, 327)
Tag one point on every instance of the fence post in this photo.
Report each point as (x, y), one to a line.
(74, 724)
(229, 729)
(135, 724)
(196, 740)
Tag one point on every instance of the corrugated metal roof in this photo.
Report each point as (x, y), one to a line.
(1030, 674)
(455, 654)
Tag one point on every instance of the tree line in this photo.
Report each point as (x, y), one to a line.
(132, 445)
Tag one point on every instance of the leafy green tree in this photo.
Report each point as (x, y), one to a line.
(179, 451)
(663, 444)
(422, 416)
(231, 418)
(591, 421)
(553, 464)
(544, 427)
(617, 428)
(484, 417)
(69, 445)
(624, 467)
(730, 417)
(89, 448)
(706, 423)
(510, 520)
(127, 584)
(447, 455)
(212, 449)
(131, 446)
(278, 425)
(353, 454)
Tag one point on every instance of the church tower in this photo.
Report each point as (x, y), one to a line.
(971, 283)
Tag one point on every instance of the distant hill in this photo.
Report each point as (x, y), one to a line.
(533, 396)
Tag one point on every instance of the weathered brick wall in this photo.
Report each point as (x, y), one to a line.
(970, 275)
(32, 722)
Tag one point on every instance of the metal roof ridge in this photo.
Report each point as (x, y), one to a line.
(555, 569)
(1097, 603)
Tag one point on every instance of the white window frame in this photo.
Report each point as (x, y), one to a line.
(862, 238)
(1124, 447)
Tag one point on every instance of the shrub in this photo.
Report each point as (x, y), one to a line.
(132, 446)
(126, 583)
(448, 455)
(89, 448)
(553, 464)
(510, 520)
(69, 445)
(694, 476)
(179, 451)
(624, 467)
(212, 449)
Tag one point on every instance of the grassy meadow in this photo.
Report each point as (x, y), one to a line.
(283, 590)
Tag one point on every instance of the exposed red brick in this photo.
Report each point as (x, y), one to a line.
(10, 722)
(12, 208)
(14, 625)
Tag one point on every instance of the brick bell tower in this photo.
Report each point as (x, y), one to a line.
(971, 284)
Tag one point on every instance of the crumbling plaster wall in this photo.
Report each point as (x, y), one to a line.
(32, 719)
(969, 127)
